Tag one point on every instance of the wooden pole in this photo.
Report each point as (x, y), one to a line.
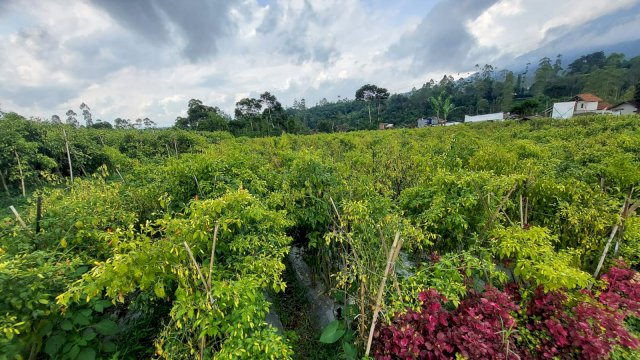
(393, 255)
(66, 145)
(623, 214)
(117, 171)
(213, 252)
(15, 212)
(38, 213)
(24, 192)
(4, 183)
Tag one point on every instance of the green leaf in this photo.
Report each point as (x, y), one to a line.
(87, 354)
(158, 289)
(89, 334)
(106, 327)
(81, 270)
(350, 351)
(100, 305)
(332, 332)
(80, 319)
(54, 344)
(73, 353)
(108, 346)
(66, 325)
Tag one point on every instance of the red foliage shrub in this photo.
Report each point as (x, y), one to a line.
(623, 290)
(483, 327)
(475, 329)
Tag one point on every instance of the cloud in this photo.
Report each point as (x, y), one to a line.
(442, 41)
(147, 58)
(199, 24)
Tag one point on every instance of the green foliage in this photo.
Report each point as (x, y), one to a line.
(534, 260)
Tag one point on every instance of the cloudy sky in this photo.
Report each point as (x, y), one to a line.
(147, 58)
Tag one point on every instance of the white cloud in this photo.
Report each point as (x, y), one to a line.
(149, 64)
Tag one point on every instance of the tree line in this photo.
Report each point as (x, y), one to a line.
(532, 91)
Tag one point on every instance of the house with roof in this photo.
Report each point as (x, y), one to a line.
(589, 103)
(626, 108)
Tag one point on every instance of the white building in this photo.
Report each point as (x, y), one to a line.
(563, 110)
(589, 103)
(486, 117)
(626, 108)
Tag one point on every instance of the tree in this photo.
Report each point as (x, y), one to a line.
(442, 105)
(371, 93)
(507, 91)
(86, 114)
(271, 106)
(71, 118)
(148, 123)
(121, 123)
(55, 119)
(587, 63)
(248, 109)
(197, 113)
(544, 73)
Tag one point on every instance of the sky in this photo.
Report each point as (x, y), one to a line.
(147, 58)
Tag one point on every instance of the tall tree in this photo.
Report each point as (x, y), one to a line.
(86, 114)
(71, 118)
(372, 93)
(55, 119)
(507, 91)
(544, 73)
(248, 109)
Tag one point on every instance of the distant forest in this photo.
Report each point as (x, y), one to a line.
(614, 78)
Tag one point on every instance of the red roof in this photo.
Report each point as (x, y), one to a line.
(587, 97)
(603, 105)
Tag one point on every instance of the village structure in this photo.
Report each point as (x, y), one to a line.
(581, 104)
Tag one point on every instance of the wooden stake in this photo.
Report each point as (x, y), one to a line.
(121, 178)
(66, 145)
(521, 213)
(197, 185)
(393, 255)
(175, 145)
(623, 214)
(38, 213)
(213, 252)
(204, 281)
(24, 192)
(15, 212)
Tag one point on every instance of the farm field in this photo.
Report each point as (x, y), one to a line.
(505, 240)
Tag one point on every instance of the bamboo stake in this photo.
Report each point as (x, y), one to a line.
(15, 212)
(66, 145)
(213, 252)
(117, 171)
(38, 213)
(521, 213)
(24, 193)
(393, 254)
(197, 185)
(204, 281)
(4, 183)
(623, 214)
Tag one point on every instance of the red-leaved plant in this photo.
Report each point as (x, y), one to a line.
(483, 327)
(479, 328)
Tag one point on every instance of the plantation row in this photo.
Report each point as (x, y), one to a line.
(497, 240)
